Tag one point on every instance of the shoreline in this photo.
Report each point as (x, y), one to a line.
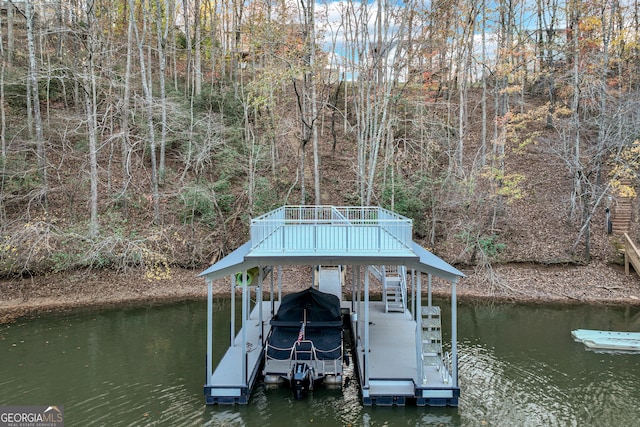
(594, 284)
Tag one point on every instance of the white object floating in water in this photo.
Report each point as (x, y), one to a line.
(628, 342)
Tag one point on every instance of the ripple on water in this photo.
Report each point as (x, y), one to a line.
(494, 389)
(143, 366)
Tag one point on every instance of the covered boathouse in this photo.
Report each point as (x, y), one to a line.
(396, 341)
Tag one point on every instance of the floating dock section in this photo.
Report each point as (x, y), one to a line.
(397, 342)
(608, 341)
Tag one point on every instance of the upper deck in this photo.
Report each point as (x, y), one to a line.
(331, 235)
(312, 231)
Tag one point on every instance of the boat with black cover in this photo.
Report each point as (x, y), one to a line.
(305, 344)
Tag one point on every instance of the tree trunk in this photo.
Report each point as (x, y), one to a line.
(90, 100)
(10, 38)
(187, 36)
(41, 154)
(483, 136)
(162, 34)
(197, 75)
(125, 143)
(155, 195)
(3, 117)
(314, 101)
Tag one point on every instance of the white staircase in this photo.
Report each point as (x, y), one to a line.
(394, 286)
(431, 338)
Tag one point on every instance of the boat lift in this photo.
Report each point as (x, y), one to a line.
(397, 342)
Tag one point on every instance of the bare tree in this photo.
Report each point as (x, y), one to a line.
(377, 59)
(90, 98)
(146, 86)
(197, 75)
(186, 12)
(306, 94)
(41, 153)
(125, 141)
(10, 37)
(162, 32)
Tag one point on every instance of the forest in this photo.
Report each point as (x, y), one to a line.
(144, 134)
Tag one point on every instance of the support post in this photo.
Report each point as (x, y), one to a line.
(279, 283)
(209, 329)
(259, 301)
(419, 363)
(359, 309)
(273, 303)
(429, 300)
(413, 295)
(355, 275)
(233, 311)
(245, 315)
(454, 333)
(365, 356)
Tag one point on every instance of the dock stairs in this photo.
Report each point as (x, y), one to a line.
(394, 287)
(431, 338)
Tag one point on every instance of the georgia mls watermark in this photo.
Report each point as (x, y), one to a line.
(31, 416)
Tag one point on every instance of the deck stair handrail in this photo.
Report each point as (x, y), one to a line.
(447, 360)
(631, 255)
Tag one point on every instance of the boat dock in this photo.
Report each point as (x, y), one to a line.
(396, 342)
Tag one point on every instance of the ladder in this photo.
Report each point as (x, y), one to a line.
(394, 293)
(431, 338)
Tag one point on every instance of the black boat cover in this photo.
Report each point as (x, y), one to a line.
(323, 325)
(320, 308)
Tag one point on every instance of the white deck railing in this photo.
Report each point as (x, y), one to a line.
(313, 228)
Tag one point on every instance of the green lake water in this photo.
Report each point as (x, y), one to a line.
(144, 366)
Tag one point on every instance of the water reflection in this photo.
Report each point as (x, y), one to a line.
(145, 366)
(519, 363)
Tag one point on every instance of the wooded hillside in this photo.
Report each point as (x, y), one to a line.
(145, 134)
